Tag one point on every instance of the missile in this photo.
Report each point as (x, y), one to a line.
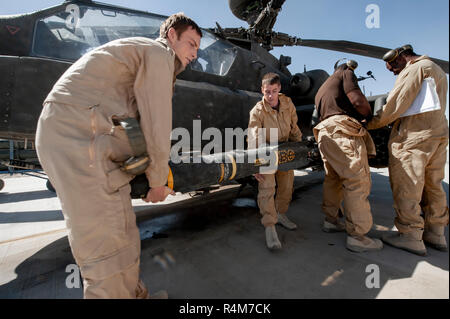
(194, 172)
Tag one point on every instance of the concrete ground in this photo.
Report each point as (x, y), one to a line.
(204, 247)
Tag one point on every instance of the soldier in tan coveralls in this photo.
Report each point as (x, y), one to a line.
(344, 145)
(274, 111)
(81, 148)
(417, 151)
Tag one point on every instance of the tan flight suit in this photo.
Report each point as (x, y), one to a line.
(80, 149)
(285, 120)
(344, 145)
(417, 148)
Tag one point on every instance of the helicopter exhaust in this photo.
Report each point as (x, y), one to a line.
(223, 168)
(304, 86)
(300, 83)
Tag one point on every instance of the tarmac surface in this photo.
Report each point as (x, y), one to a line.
(206, 247)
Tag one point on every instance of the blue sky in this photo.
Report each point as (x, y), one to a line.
(424, 24)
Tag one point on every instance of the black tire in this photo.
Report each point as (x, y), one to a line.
(50, 186)
(2, 184)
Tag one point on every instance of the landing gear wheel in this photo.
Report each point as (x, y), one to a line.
(50, 186)
(2, 184)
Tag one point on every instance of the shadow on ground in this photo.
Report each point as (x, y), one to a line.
(29, 217)
(25, 196)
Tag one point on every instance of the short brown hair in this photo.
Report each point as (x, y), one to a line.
(180, 23)
(270, 79)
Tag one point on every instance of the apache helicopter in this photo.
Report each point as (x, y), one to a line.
(219, 88)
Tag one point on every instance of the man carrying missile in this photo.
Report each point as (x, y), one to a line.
(80, 146)
(277, 112)
(344, 145)
(417, 150)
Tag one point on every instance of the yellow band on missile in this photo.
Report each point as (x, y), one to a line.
(233, 163)
(170, 179)
(222, 172)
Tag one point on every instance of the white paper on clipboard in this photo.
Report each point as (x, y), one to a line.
(426, 101)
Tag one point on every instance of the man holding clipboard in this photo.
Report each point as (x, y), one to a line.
(417, 150)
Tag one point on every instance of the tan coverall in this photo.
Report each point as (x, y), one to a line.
(285, 120)
(417, 149)
(80, 149)
(344, 145)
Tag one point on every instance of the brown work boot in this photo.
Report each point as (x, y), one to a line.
(361, 244)
(406, 241)
(272, 240)
(285, 222)
(433, 235)
(333, 228)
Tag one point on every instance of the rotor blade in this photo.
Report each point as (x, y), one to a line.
(357, 48)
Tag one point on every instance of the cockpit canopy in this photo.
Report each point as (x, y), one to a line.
(77, 29)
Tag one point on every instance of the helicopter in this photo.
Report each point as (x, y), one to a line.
(218, 89)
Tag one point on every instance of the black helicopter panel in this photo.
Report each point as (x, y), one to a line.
(219, 88)
(28, 81)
